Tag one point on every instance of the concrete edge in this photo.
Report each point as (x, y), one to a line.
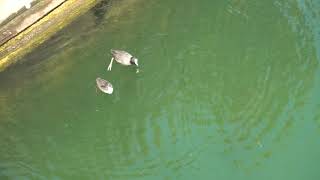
(42, 30)
(26, 19)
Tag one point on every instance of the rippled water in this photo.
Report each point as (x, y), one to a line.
(227, 90)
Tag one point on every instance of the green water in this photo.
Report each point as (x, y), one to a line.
(226, 90)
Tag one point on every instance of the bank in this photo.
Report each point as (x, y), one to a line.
(23, 31)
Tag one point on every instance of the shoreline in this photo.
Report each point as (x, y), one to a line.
(34, 26)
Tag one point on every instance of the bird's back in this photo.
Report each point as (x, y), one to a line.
(121, 56)
(104, 85)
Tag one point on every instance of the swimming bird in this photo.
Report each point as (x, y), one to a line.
(123, 58)
(104, 85)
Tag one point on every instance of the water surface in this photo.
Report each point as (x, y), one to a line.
(226, 90)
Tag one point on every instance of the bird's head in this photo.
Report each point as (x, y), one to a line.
(134, 61)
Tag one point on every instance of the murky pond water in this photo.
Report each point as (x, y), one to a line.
(226, 90)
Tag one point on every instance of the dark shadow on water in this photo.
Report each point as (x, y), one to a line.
(100, 10)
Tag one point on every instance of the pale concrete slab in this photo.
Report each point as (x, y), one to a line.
(9, 7)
